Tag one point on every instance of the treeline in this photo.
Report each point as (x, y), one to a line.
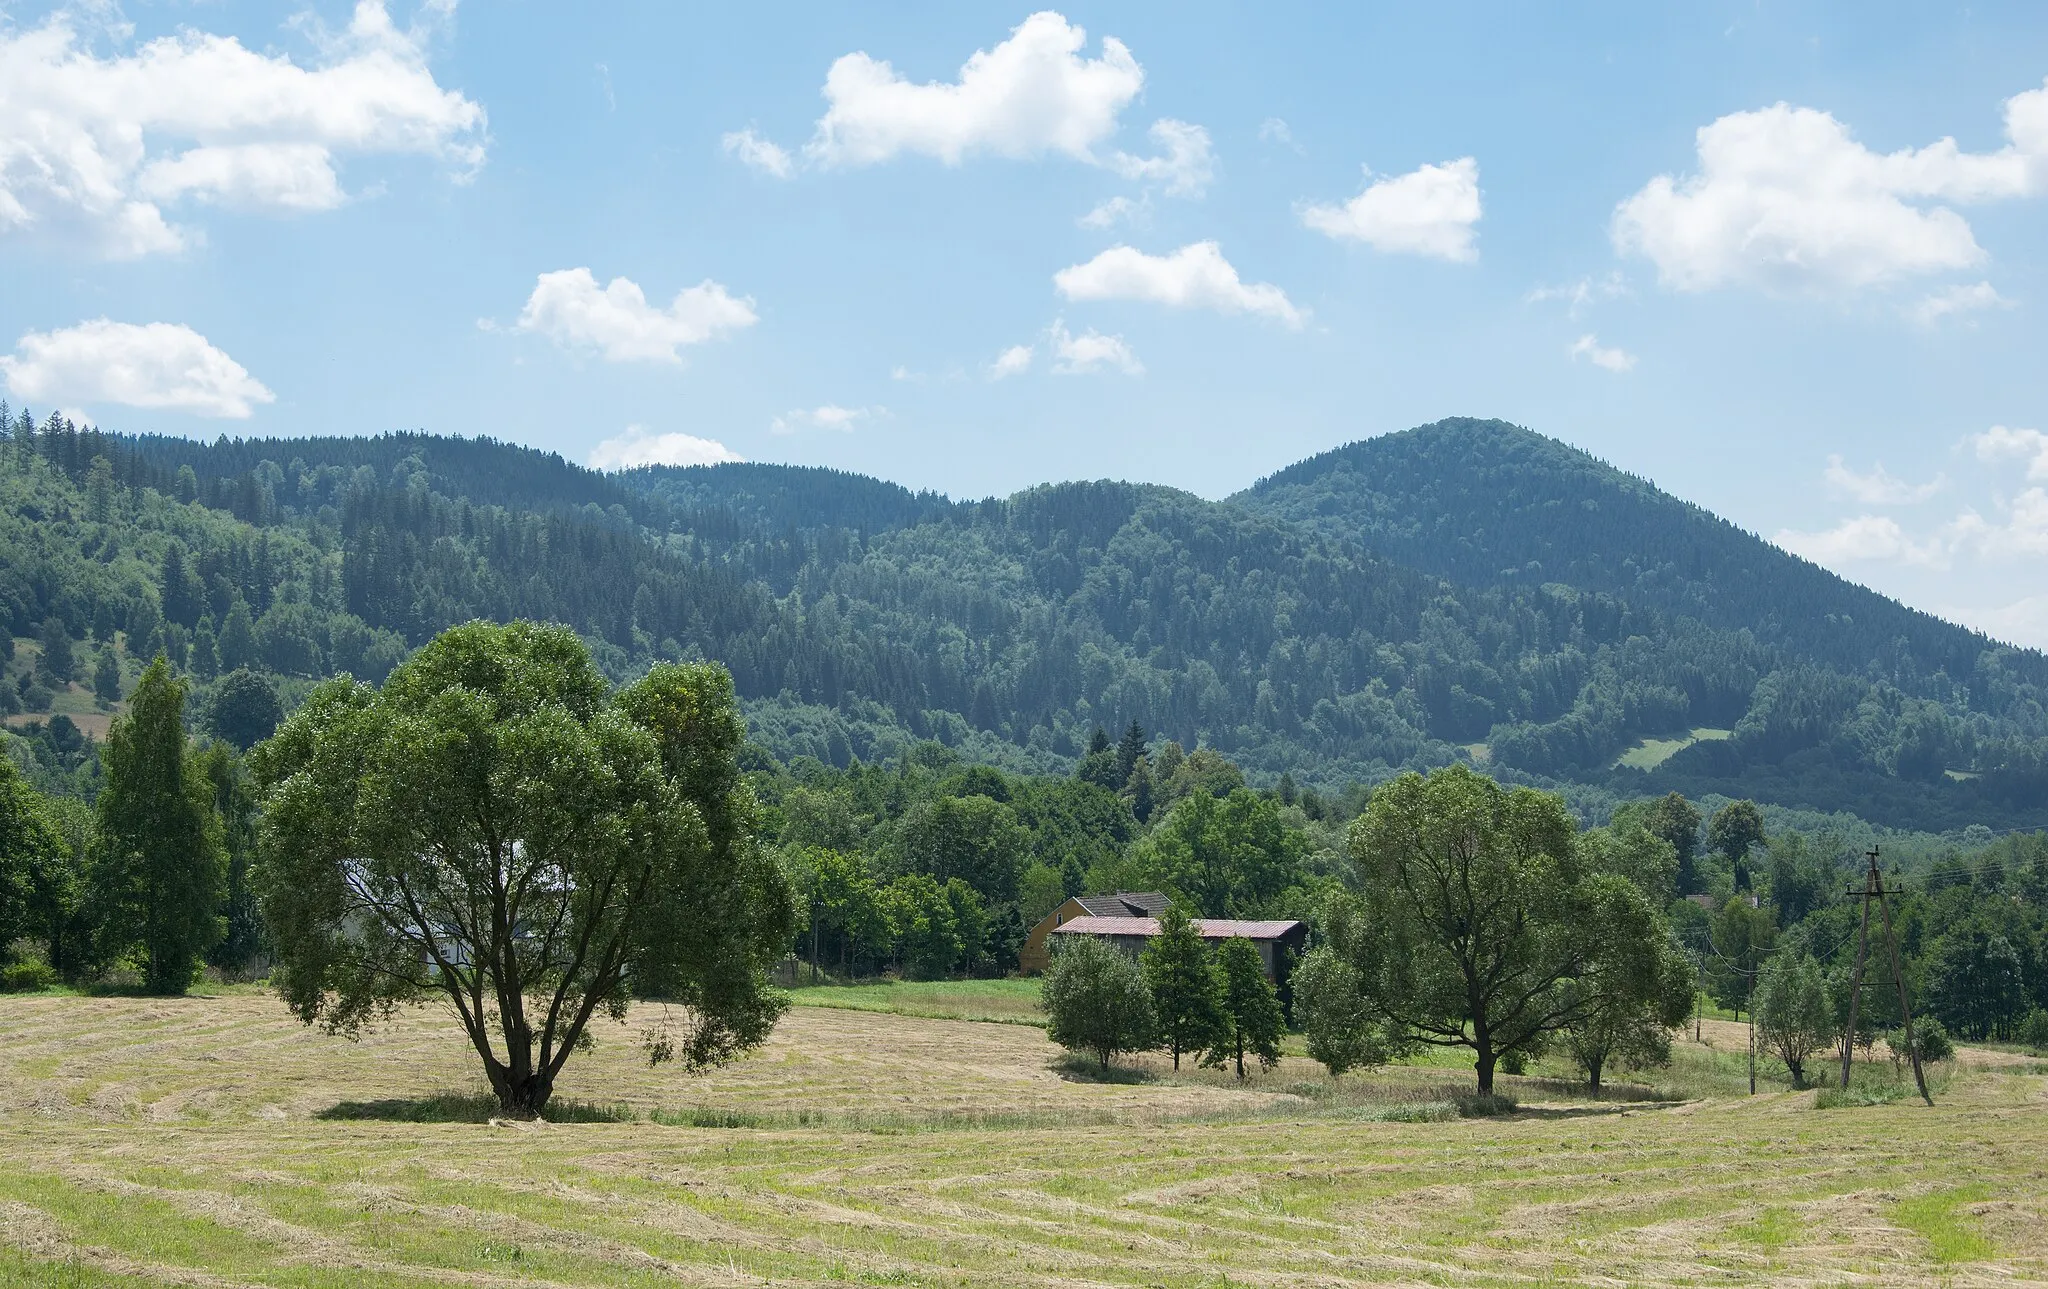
(859, 619)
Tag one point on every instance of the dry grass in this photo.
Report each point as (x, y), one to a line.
(157, 1142)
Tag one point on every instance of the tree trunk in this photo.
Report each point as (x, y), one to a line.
(522, 1098)
(1593, 1075)
(1484, 1048)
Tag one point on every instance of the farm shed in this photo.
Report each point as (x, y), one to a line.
(1036, 953)
(1131, 934)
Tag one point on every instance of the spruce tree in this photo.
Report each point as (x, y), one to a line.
(57, 663)
(1251, 1009)
(160, 873)
(1187, 996)
(106, 676)
(238, 638)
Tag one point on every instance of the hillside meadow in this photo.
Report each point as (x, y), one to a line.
(213, 1141)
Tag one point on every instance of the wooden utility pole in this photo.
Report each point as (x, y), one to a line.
(1874, 888)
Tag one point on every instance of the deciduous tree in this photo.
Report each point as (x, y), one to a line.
(1795, 1018)
(160, 870)
(497, 829)
(1095, 1001)
(1187, 996)
(1479, 908)
(1252, 1021)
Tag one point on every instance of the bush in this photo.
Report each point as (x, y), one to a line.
(27, 977)
(2034, 1031)
(1935, 1044)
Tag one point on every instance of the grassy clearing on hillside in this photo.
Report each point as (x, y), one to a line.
(1650, 753)
(159, 1141)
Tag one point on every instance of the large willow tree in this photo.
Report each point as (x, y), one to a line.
(499, 829)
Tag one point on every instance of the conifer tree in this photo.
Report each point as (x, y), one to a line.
(1251, 1009)
(160, 872)
(106, 676)
(238, 638)
(1187, 996)
(57, 663)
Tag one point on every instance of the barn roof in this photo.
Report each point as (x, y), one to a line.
(1126, 904)
(1208, 928)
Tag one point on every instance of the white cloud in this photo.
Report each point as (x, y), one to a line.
(1014, 361)
(100, 146)
(162, 365)
(1090, 351)
(1880, 487)
(1580, 294)
(1589, 348)
(569, 308)
(636, 447)
(1785, 199)
(2022, 531)
(1957, 300)
(1275, 130)
(757, 153)
(2002, 443)
(1114, 211)
(828, 417)
(1185, 165)
(1031, 95)
(2024, 622)
(1428, 211)
(1195, 276)
(1865, 538)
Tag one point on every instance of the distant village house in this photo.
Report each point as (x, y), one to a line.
(1129, 919)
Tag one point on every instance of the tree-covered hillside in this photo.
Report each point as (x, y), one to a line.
(858, 617)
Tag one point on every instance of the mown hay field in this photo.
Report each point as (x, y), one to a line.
(191, 1142)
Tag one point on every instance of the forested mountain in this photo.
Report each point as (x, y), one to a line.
(1352, 616)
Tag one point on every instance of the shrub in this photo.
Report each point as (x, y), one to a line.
(1934, 1041)
(2034, 1030)
(27, 977)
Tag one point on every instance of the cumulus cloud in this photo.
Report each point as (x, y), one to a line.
(1957, 301)
(1589, 348)
(1275, 130)
(161, 365)
(1184, 166)
(1031, 95)
(828, 417)
(1865, 538)
(102, 146)
(758, 153)
(2023, 622)
(1014, 361)
(1787, 200)
(637, 447)
(571, 309)
(1879, 487)
(2003, 443)
(1090, 351)
(1194, 277)
(1428, 211)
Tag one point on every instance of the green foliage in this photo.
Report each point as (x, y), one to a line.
(28, 977)
(1331, 1008)
(1227, 858)
(973, 838)
(1976, 983)
(1252, 1021)
(1482, 922)
(1623, 1026)
(1096, 1001)
(245, 708)
(159, 870)
(1736, 829)
(1929, 1033)
(2034, 1030)
(1187, 993)
(497, 828)
(106, 676)
(1795, 1017)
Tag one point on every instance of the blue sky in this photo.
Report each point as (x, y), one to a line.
(1789, 261)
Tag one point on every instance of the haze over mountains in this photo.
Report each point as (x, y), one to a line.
(1466, 589)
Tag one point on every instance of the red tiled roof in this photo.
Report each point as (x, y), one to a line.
(1209, 928)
